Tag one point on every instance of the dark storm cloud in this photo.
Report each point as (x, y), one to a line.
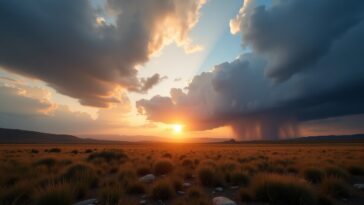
(296, 34)
(323, 74)
(63, 43)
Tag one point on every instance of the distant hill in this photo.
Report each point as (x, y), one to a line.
(356, 138)
(14, 136)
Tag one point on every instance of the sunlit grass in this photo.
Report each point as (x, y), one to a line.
(184, 173)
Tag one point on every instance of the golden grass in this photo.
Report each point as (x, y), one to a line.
(286, 174)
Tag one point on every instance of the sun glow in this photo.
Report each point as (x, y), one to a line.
(177, 128)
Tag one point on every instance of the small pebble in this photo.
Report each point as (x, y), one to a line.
(359, 186)
(219, 189)
(234, 187)
(180, 192)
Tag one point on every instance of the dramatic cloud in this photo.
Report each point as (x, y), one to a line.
(306, 65)
(148, 83)
(295, 34)
(82, 54)
(23, 101)
(31, 108)
(352, 124)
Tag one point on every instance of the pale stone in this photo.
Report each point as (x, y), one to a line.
(147, 178)
(359, 186)
(234, 187)
(220, 200)
(219, 189)
(87, 202)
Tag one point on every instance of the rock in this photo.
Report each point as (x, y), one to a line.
(88, 202)
(234, 187)
(220, 200)
(359, 186)
(186, 184)
(219, 189)
(143, 201)
(144, 196)
(180, 192)
(147, 178)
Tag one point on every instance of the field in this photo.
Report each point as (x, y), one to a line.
(184, 173)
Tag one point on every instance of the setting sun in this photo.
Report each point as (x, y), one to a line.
(177, 128)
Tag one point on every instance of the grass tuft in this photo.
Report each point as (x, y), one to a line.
(335, 187)
(356, 170)
(48, 162)
(314, 175)
(162, 190)
(337, 172)
(55, 194)
(244, 195)
(143, 170)
(135, 188)
(110, 194)
(82, 177)
(163, 166)
(209, 177)
(54, 150)
(279, 189)
(239, 178)
(108, 156)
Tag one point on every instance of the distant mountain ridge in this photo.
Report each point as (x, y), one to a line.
(355, 138)
(15, 136)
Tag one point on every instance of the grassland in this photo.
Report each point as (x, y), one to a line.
(290, 174)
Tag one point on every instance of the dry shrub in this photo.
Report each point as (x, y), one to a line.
(167, 155)
(356, 169)
(187, 163)
(55, 194)
(20, 193)
(314, 175)
(110, 194)
(162, 190)
(135, 187)
(335, 187)
(143, 170)
(209, 176)
(126, 173)
(325, 200)
(177, 183)
(48, 162)
(88, 151)
(108, 156)
(195, 193)
(54, 150)
(34, 151)
(244, 195)
(279, 189)
(82, 177)
(239, 178)
(337, 172)
(81, 172)
(163, 166)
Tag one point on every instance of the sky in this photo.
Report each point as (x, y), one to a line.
(141, 70)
